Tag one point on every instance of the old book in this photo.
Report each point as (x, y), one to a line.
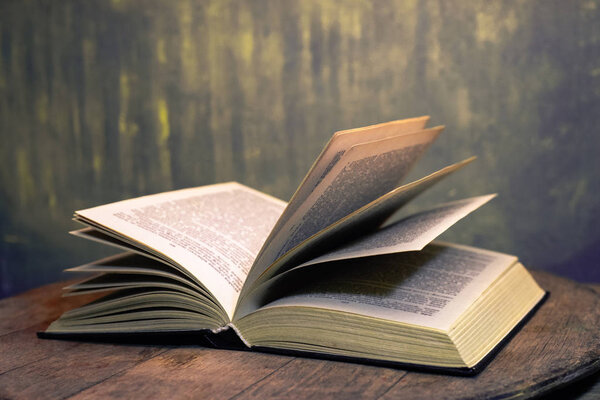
(337, 272)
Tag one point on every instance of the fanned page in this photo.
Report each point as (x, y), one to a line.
(213, 232)
(339, 143)
(357, 224)
(411, 233)
(429, 288)
(122, 267)
(364, 173)
(113, 240)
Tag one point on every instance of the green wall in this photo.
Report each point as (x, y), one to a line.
(105, 100)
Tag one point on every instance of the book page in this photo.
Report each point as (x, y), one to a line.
(116, 241)
(412, 233)
(430, 288)
(331, 154)
(132, 263)
(333, 151)
(364, 220)
(214, 232)
(364, 173)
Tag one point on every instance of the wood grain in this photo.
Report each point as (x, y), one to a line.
(306, 378)
(560, 344)
(189, 373)
(589, 388)
(65, 373)
(36, 306)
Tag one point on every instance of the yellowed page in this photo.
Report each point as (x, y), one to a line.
(333, 151)
(339, 143)
(364, 173)
(214, 232)
(115, 241)
(366, 219)
(412, 233)
(429, 288)
(130, 263)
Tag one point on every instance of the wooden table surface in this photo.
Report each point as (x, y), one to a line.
(559, 345)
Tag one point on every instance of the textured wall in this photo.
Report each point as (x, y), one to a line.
(101, 101)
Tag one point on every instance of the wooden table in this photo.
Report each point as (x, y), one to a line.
(558, 346)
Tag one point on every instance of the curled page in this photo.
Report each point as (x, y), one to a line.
(339, 143)
(412, 233)
(368, 218)
(364, 173)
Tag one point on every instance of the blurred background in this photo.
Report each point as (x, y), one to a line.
(106, 100)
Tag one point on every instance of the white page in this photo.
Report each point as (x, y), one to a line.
(429, 288)
(412, 233)
(214, 232)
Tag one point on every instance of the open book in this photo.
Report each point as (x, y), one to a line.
(336, 272)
